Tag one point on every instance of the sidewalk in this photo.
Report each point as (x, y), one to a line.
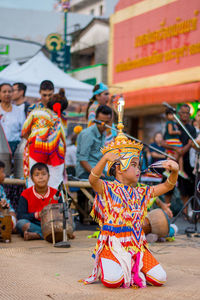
(37, 270)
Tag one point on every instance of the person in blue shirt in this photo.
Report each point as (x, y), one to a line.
(88, 154)
(90, 141)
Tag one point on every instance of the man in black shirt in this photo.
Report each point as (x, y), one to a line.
(186, 186)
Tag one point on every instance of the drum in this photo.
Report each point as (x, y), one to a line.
(5, 228)
(52, 222)
(156, 222)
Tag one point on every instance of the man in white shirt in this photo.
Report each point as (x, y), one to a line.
(11, 117)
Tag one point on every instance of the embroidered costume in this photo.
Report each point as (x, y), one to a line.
(46, 143)
(121, 253)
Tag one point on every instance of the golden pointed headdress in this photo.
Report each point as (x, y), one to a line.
(126, 148)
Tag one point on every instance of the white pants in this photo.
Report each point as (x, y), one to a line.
(112, 274)
(56, 174)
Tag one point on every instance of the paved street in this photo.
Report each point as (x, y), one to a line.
(37, 270)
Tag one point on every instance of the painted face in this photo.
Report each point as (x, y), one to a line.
(2, 175)
(6, 93)
(103, 98)
(132, 174)
(46, 96)
(40, 178)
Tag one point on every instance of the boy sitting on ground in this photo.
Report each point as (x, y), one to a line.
(32, 201)
(5, 206)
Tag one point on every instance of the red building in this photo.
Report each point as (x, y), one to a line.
(154, 56)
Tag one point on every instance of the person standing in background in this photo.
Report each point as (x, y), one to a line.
(100, 97)
(172, 138)
(192, 154)
(45, 136)
(11, 117)
(186, 186)
(46, 92)
(19, 99)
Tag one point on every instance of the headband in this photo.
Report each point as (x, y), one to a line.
(102, 88)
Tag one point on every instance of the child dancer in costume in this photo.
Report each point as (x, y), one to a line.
(121, 255)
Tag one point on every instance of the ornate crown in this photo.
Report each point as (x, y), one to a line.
(126, 148)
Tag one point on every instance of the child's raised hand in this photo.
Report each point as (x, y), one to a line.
(170, 165)
(112, 156)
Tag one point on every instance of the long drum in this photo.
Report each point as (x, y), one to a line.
(156, 222)
(52, 222)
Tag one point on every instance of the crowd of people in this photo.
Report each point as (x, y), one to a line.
(109, 161)
(176, 142)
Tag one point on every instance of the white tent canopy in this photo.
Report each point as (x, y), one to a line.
(9, 69)
(40, 68)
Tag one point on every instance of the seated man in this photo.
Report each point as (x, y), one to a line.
(32, 201)
(90, 141)
(5, 206)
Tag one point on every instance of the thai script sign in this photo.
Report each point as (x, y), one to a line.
(162, 40)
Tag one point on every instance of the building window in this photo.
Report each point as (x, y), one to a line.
(101, 10)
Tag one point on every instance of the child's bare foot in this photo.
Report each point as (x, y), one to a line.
(31, 236)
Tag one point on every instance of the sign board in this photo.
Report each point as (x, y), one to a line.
(157, 43)
(4, 49)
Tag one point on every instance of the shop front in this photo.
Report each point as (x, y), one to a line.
(154, 56)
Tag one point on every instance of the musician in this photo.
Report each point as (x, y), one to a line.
(32, 201)
(5, 205)
(90, 141)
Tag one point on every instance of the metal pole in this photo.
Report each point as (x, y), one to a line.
(133, 138)
(65, 38)
(184, 128)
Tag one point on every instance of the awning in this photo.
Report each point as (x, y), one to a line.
(171, 94)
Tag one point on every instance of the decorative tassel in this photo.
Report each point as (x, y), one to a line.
(57, 108)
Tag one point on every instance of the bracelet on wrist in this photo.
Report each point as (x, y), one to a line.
(97, 176)
(171, 183)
